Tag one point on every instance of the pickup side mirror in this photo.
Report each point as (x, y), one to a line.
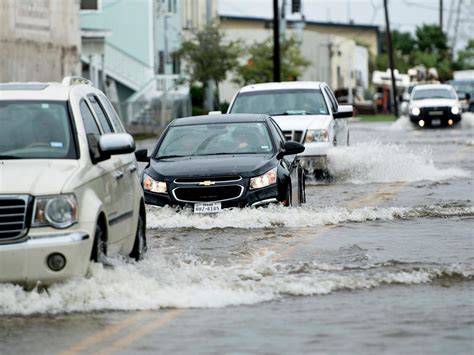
(291, 148)
(142, 156)
(116, 143)
(344, 111)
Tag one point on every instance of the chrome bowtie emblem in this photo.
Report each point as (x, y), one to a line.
(207, 183)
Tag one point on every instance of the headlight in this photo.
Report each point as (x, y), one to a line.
(267, 179)
(317, 135)
(415, 111)
(56, 211)
(455, 110)
(152, 185)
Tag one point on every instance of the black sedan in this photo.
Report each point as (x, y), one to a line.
(221, 161)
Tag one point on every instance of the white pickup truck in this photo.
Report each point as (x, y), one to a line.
(307, 112)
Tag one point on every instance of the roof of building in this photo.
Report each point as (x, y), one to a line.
(285, 85)
(316, 23)
(223, 118)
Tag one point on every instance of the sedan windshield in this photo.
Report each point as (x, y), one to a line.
(216, 139)
(35, 130)
(281, 102)
(433, 94)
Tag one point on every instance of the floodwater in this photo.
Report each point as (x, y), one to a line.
(379, 260)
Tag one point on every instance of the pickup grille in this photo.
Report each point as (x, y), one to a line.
(14, 221)
(296, 136)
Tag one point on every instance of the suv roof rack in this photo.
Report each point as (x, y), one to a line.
(76, 80)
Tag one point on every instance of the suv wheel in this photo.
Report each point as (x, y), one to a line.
(140, 247)
(99, 249)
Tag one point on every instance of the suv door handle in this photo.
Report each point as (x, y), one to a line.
(132, 169)
(118, 175)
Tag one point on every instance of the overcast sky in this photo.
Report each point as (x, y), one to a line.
(405, 15)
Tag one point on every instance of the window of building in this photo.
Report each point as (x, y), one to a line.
(90, 5)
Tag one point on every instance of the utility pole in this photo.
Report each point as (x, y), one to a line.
(441, 14)
(390, 57)
(276, 43)
(210, 83)
(456, 26)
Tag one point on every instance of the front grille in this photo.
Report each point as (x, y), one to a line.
(296, 136)
(208, 194)
(220, 179)
(436, 111)
(13, 217)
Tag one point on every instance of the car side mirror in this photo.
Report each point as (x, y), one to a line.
(116, 143)
(142, 156)
(467, 96)
(292, 148)
(344, 111)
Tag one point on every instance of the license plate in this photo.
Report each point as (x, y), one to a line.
(435, 113)
(213, 207)
(436, 122)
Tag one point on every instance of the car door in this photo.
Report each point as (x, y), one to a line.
(130, 187)
(291, 163)
(340, 124)
(119, 217)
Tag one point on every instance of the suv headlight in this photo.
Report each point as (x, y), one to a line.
(150, 184)
(267, 179)
(59, 211)
(317, 135)
(455, 110)
(415, 111)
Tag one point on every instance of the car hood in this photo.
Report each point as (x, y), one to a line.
(35, 176)
(245, 165)
(303, 122)
(434, 103)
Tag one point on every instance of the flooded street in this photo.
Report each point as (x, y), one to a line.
(379, 260)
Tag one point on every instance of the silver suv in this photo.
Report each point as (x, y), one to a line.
(69, 186)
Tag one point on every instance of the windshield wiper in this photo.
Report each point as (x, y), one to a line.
(171, 156)
(292, 112)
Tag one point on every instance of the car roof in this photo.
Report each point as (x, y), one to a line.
(432, 86)
(282, 86)
(36, 91)
(224, 118)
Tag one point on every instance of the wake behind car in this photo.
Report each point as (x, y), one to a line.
(307, 112)
(221, 161)
(69, 189)
(434, 105)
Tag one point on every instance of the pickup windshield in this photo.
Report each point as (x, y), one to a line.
(424, 94)
(35, 130)
(281, 102)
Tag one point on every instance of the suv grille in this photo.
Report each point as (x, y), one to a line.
(13, 217)
(208, 194)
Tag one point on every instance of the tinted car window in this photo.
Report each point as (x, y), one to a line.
(281, 102)
(99, 112)
(215, 139)
(112, 114)
(36, 130)
(90, 125)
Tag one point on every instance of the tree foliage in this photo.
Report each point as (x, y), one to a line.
(259, 66)
(466, 57)
(429, 47)
(208, 55)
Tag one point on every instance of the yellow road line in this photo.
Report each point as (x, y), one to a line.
(379, 196)
(141, 332)
(104, 334)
